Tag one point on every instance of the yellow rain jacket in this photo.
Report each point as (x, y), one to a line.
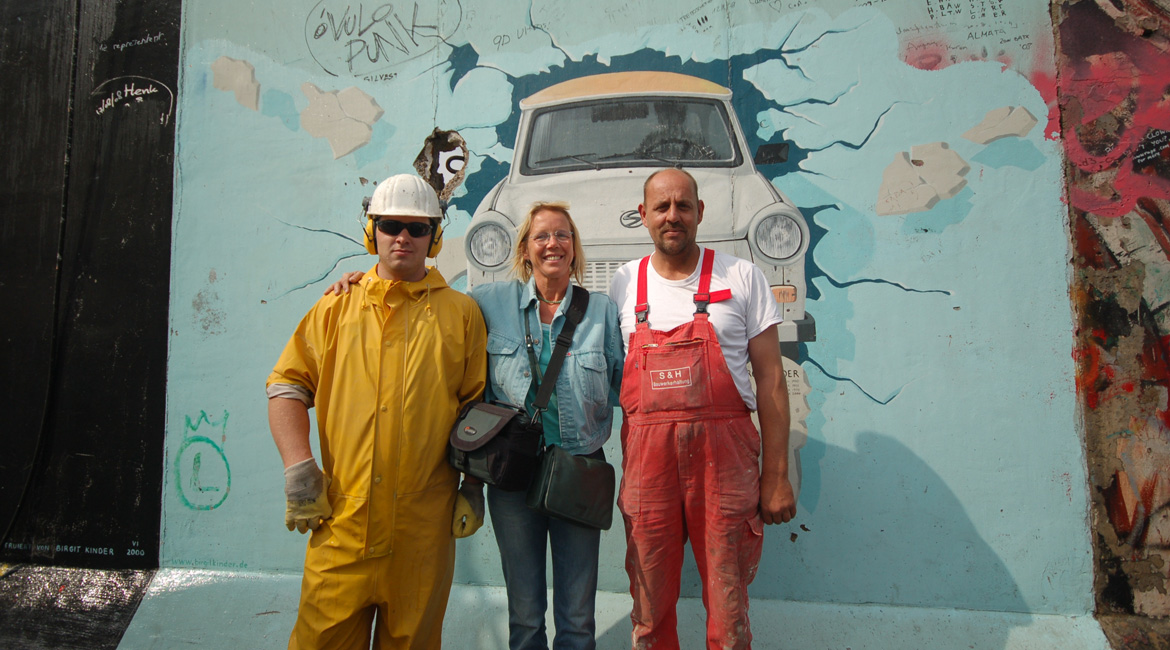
(389, 366)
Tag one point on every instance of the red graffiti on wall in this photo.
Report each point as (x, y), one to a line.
(1138, 497)
(935, 51)
(927, 53)
(1115, 102)
(1114, 96)
(1131, 513)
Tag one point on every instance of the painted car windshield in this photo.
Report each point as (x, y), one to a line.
(630, 133)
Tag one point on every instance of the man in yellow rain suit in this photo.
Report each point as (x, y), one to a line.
(388, 367)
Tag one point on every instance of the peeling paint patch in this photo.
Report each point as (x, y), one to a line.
(916, 181)
(1132, 240)
(441, 162)
(346, 117)
(208, 313)
(239, 77)
(1003, 122)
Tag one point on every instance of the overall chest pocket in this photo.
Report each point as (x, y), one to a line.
(674, 378)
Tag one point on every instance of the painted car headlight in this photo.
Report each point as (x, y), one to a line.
(490, 245)
(778, 236)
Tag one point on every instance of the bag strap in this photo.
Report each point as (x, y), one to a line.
(577, 306)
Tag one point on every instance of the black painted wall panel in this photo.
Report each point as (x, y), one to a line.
(36, 55)
(94, 499)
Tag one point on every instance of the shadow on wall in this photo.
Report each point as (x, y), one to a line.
(886, 530)
(875, 526)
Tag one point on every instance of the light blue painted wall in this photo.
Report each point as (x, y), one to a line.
(944, 466)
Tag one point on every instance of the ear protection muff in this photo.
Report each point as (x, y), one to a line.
(436, 239)
(437, 232)
(371, 243)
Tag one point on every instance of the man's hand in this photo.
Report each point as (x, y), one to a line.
(342, 285)
(777, 501)
(306, 491)
(468, 510)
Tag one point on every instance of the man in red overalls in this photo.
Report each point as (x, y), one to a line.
(691, 455)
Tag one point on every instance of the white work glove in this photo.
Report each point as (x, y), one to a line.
(306, 490)
(468, 510)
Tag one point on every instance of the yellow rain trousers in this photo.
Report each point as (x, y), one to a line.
(389, 364)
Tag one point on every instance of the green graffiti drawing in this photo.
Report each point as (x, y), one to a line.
(203, 476)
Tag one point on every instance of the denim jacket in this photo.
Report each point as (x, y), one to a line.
(589, 383)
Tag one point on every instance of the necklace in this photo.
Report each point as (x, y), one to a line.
(548, 302)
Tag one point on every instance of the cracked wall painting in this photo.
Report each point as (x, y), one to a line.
(918, 154)
(1116, 134)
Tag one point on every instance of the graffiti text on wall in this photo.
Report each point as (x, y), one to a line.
(51, 550)
(202, 474)
(145, 40)
(133, 90)
(358, 39)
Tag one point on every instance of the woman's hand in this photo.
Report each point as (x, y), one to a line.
(342, 285)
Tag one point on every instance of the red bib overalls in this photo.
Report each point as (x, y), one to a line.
(690, 471)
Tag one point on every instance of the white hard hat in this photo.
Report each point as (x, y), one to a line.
(404, 195)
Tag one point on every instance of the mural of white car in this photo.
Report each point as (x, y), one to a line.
(592, 141)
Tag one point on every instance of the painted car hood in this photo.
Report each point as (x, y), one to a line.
(599, 198)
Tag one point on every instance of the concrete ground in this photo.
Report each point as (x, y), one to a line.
(182, 608)
(229, 610)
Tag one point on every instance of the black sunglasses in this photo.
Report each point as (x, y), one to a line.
(415, 228)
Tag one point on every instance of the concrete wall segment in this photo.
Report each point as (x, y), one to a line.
(943, 343)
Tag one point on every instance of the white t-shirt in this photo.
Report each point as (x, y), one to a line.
(751, 309)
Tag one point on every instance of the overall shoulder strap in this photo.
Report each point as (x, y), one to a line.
(641, 306)
(704, 296)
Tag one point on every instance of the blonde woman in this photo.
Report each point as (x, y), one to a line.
(548, 257)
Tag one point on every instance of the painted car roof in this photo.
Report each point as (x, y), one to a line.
(625, 83)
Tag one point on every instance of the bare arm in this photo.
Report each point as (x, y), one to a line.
(289, 421)
(777, 500)
(305, 487)
(342, 285)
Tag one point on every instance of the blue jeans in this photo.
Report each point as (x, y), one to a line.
(521, 534)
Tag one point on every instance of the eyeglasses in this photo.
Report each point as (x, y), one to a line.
(414, 228)
(563, 236)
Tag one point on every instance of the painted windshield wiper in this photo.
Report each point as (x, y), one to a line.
(576, 157)
(624, 154)
(666, 161)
